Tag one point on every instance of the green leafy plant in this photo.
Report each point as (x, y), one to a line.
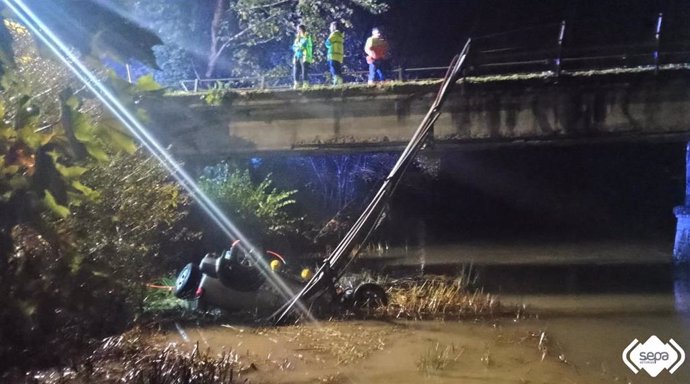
(72, 258)
(159, 296)
(138, 209)
(258, 208)
(216, 95)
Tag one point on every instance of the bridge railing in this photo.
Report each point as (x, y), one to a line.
(285, 81)
(646, 43)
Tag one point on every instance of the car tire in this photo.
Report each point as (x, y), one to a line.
(187, 281)
(235, 270)
(369, 296)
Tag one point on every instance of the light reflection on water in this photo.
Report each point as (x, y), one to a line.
(681, 289)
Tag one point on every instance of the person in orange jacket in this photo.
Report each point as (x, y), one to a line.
(376, 49)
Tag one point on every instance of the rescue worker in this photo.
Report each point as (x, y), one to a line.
(334, 47)
(303, 57)
(376, 49)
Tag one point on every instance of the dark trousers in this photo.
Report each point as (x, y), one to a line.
(376, 69)
(299, 71)
(336, 68)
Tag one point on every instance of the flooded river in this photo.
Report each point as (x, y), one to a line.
(585, 313)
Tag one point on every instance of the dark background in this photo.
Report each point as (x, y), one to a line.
(588, 191)
(591, 191)
(429, 32)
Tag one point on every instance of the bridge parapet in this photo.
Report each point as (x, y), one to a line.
(514, 110)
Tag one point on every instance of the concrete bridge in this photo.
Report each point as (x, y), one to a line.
(481, 111)
(516, 110)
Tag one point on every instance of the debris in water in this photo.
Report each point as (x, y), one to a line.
(182, 332)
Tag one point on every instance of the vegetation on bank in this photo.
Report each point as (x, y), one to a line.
(258, 208)
(78, 251)
(85, 218)
(133, 358)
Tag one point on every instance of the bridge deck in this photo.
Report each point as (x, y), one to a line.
(627, 104)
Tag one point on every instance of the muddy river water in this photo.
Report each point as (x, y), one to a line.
(577, 334)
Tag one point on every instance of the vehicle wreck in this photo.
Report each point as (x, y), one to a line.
(233, 281)
(244, 278)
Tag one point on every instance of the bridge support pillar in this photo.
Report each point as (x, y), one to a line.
(681, 248)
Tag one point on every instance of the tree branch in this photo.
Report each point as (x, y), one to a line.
(249, 28)
(264, 41)
(221, 49)
(275, 4)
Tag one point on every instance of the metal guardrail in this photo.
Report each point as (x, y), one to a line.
(555, 48)
(284, 82)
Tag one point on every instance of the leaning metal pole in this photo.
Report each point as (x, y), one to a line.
(348, 248)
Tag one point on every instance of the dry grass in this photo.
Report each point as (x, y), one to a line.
(129, 359)
(438, 298)
(438, 357)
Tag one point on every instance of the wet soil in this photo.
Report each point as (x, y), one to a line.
(572, 348)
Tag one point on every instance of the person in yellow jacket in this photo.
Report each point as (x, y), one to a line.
(303, 57)
(376, 49)
(334, 47)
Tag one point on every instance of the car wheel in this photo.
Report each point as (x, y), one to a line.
(237, 271)
(187, 281)
(370, 296)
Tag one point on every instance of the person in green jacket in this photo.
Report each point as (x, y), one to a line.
(334, 46)
(303, 57)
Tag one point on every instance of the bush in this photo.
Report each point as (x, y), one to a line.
(122, 233)
(83, 276)
(256, 208)
(81, 227)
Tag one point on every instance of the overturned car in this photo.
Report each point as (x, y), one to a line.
(244, 279)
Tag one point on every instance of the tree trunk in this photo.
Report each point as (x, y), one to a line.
(214, 54)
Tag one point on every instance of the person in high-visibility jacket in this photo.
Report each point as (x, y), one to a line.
(334, 47)
(303, 57)
(376, 49)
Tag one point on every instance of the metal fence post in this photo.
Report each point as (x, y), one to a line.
(559, 51)
(657, 38)
(262, 82)
(196, 85)
(401, 74)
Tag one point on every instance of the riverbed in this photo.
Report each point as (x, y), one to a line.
(565, 349)
(577, 318)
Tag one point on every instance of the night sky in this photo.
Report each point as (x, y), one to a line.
(430, 32)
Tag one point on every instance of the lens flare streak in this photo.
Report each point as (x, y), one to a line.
(109, 99)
